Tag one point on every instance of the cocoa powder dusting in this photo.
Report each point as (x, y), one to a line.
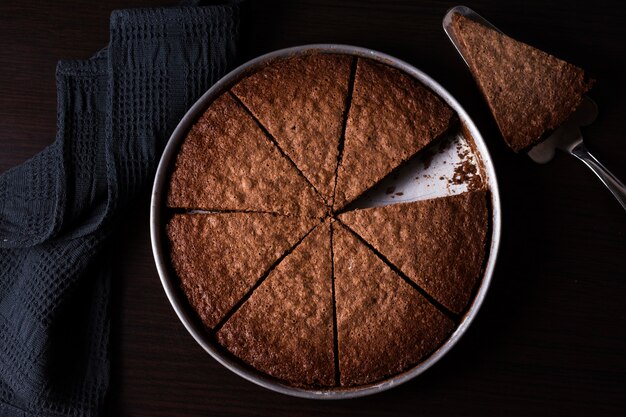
(466, 171)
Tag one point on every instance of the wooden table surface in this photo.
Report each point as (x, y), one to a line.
(551, 336)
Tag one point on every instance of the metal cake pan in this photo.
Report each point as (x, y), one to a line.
(478, 151)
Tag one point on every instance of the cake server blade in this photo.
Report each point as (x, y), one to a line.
(568, 136)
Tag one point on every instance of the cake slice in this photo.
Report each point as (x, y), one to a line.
(529, 92)
(301, 101)
(228, 163)
(392, 116)
(439, 244)
(219, 257)
(285, 328)
(384, 326)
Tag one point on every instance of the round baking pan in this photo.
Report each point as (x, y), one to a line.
(159, 213)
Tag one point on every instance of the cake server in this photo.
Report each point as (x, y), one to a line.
(568, 137)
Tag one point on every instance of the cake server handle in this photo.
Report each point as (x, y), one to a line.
(615, 186)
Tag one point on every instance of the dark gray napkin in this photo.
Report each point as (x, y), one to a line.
(115, 113)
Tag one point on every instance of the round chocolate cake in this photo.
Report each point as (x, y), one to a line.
(282, 270)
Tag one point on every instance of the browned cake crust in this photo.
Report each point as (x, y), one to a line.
(301, 102)
(219, 257)
(384, 326)
(391, 117)
(438, 243)
(227, 163)
(529, 92)
(286, 327)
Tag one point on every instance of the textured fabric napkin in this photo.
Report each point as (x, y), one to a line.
(115, 113)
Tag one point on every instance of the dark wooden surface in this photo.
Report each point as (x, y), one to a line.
(551, 337)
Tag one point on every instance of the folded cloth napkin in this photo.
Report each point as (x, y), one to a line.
(115, 113)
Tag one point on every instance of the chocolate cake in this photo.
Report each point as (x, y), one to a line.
(439, 244)
(228, 163)
(286, 327)
(276, 277)
(392, 116)
(384, 326)
(219, 257)
(306, 118)
(529, 92)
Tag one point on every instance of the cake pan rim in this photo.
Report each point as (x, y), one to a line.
(170, 283)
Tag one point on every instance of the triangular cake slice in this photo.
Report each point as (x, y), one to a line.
(228, 163)
(301, 101)
(219, 257)
(392, 116)
(439, 244)
(285, 328)
(384, 326)
(529, 92)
